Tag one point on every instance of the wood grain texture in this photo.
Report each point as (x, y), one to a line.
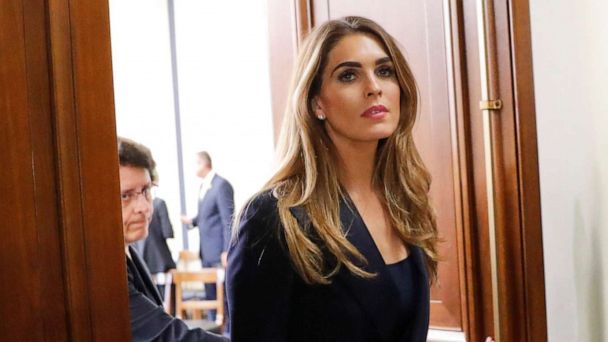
(517, 209)
(88, 166)
(19, 254)
(63, 255)
(529, 183)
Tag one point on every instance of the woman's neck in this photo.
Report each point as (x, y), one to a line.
(357, 162)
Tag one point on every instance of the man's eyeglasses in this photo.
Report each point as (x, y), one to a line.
(130, 197)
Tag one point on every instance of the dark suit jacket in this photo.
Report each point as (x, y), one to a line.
(156, 253)
(268, 301)
(213, 219)
(149, 322)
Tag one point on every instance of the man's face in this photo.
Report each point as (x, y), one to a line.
(136, 200)
(202, 167)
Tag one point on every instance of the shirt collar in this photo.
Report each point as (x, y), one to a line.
(208, 178)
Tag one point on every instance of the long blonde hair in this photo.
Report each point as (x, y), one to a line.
(307, 175)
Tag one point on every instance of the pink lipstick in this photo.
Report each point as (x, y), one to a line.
(375, 112)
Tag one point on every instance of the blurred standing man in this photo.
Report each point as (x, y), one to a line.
(215, 210)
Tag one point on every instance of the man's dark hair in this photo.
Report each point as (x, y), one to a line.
(204, 155)
(131, 153)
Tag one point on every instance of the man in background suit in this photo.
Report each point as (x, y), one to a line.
(215, 211)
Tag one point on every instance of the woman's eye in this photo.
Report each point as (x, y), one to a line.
(386, 72)
(347, 76)
(125, 196)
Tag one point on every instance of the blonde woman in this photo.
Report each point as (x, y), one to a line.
(340, 245)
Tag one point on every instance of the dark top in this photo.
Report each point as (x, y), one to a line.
(156, 253)
(149, 322)
(404, 276)
(269, 301)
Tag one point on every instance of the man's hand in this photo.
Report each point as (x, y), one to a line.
(186, 220)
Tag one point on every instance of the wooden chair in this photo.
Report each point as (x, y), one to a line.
(188, 260)
(197, 306)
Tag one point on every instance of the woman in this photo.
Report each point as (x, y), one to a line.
(340, 245)
(149, 322)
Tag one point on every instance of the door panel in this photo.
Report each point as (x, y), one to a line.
(62, 257)
(419, 28)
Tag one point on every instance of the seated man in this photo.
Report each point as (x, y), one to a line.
(149, 322)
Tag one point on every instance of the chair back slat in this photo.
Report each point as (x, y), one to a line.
(202, 276)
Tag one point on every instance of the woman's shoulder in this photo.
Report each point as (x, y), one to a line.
(260, 205)
(259, 217)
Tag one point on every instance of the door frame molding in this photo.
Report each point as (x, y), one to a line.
(521, 295)
(65, 245)
(82, 98)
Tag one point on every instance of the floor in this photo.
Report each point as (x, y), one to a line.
(445, 336)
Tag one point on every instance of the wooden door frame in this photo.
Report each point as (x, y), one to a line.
(520, 269)
(63, 208)
(87, 169)
(517, 194)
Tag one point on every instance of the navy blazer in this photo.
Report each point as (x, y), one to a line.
(213, 219)
(268, 300)
(156, 253)
(149, 322)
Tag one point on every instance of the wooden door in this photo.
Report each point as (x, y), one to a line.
(477, 294)
(420, 29)
(63, 272)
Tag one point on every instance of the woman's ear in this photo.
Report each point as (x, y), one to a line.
(316, 107)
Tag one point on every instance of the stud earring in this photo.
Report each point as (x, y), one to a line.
(321, 117)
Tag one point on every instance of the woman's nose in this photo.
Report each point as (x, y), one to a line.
(373, 87)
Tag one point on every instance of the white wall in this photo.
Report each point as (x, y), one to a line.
(224, 81)
(222, 59)
(143, 90)
(570, 52)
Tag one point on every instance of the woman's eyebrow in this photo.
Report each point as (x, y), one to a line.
(383, 60)
(358, 65)
(346, 64)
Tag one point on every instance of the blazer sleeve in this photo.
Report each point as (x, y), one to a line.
(149, 322)
(259, 278)
(195, 218)
(225, 201)
(165, 223)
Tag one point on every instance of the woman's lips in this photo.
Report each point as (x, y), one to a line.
(375, 112)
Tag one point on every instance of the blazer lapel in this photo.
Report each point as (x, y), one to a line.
(142, 276)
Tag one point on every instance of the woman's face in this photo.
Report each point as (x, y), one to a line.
(135, 184)
(360, 94)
